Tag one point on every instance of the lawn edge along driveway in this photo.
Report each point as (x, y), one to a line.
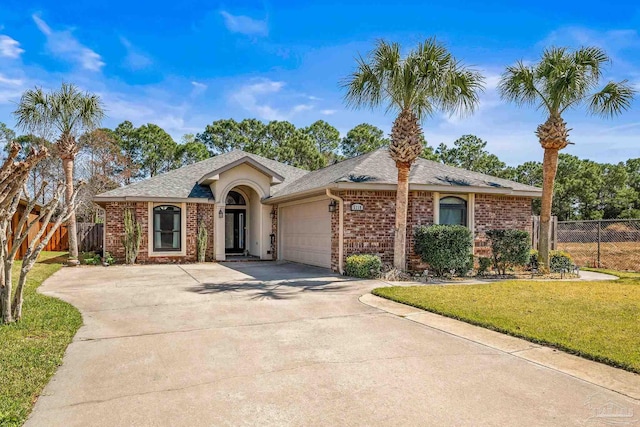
(594, 320)
(33, 348)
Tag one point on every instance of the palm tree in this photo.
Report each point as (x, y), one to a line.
(561, 80)
(65, 113)
(427, 80)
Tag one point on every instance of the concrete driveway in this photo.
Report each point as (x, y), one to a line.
(268, 344)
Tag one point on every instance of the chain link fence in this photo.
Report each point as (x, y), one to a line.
(607, 243)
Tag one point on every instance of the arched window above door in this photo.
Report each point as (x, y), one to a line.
(235, 198)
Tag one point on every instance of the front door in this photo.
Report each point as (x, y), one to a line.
(234, 231)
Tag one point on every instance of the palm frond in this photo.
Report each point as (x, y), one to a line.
(364, 86)
(564, 79)
(612, 100)
(518, 85)
(67, 110)
(427, 79)
(33, 111)
(460, 94)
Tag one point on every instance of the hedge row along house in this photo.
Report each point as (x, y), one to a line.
(254, 206)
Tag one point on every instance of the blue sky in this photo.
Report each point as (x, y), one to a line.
(184, 64)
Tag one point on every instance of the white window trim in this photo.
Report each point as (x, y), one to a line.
(183, 231)
(470, 199)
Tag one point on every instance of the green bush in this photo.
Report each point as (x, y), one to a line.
(509, 248)
(109, 259)
(90, 258)
(445, 248)
(560, 261)
(364, 266)
(484, 264)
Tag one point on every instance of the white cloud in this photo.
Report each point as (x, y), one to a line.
(9, 48)
(250, 98)
(135, 59)
(301, 107)
(198, 88)
(6, 81)
(10, 89)
(245, 24)
(63, 45)
(613, 40)
(328, 112)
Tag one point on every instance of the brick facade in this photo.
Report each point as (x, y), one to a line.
(372, 231)
(499, 212)
(195, 212)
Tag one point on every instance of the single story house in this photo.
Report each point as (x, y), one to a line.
(259, 207)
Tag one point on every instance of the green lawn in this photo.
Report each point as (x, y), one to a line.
(31, 350)
(596, 320)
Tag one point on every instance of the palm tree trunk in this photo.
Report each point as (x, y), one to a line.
(402, 202)
(549, 169)
(67, 164)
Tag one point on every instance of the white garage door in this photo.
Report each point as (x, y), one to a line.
(306, 233)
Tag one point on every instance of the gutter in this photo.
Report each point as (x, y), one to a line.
(502, 191)
(340, 230)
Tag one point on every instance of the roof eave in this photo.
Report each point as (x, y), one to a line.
(504, 191)
(208, 178)
(101, 200)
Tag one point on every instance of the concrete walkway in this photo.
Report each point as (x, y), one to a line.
(588, 276)
(265, 344)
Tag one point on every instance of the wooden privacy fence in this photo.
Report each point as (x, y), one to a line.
(89, 236)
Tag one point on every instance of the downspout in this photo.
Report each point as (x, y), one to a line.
(340, 229)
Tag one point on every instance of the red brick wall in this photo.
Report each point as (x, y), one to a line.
(420, 213)
(372, 231)
(499, 212)
(114, 230)
(114, 226)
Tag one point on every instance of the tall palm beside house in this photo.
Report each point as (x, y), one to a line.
(563, 79)
(64, 114)
(427, 80)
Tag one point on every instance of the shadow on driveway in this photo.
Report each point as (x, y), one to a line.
(275, 281)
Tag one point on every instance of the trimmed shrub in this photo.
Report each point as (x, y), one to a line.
(365, 266)
(509, 248)
(484, 264)
(446, 248)
(560, 261)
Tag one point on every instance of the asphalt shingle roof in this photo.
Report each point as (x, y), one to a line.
(183, 182)
(376, 167)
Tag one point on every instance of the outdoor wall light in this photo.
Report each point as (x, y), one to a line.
(220, 214)
(332, 206)
(273, 238)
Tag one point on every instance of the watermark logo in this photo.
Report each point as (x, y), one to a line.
(607, 412)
